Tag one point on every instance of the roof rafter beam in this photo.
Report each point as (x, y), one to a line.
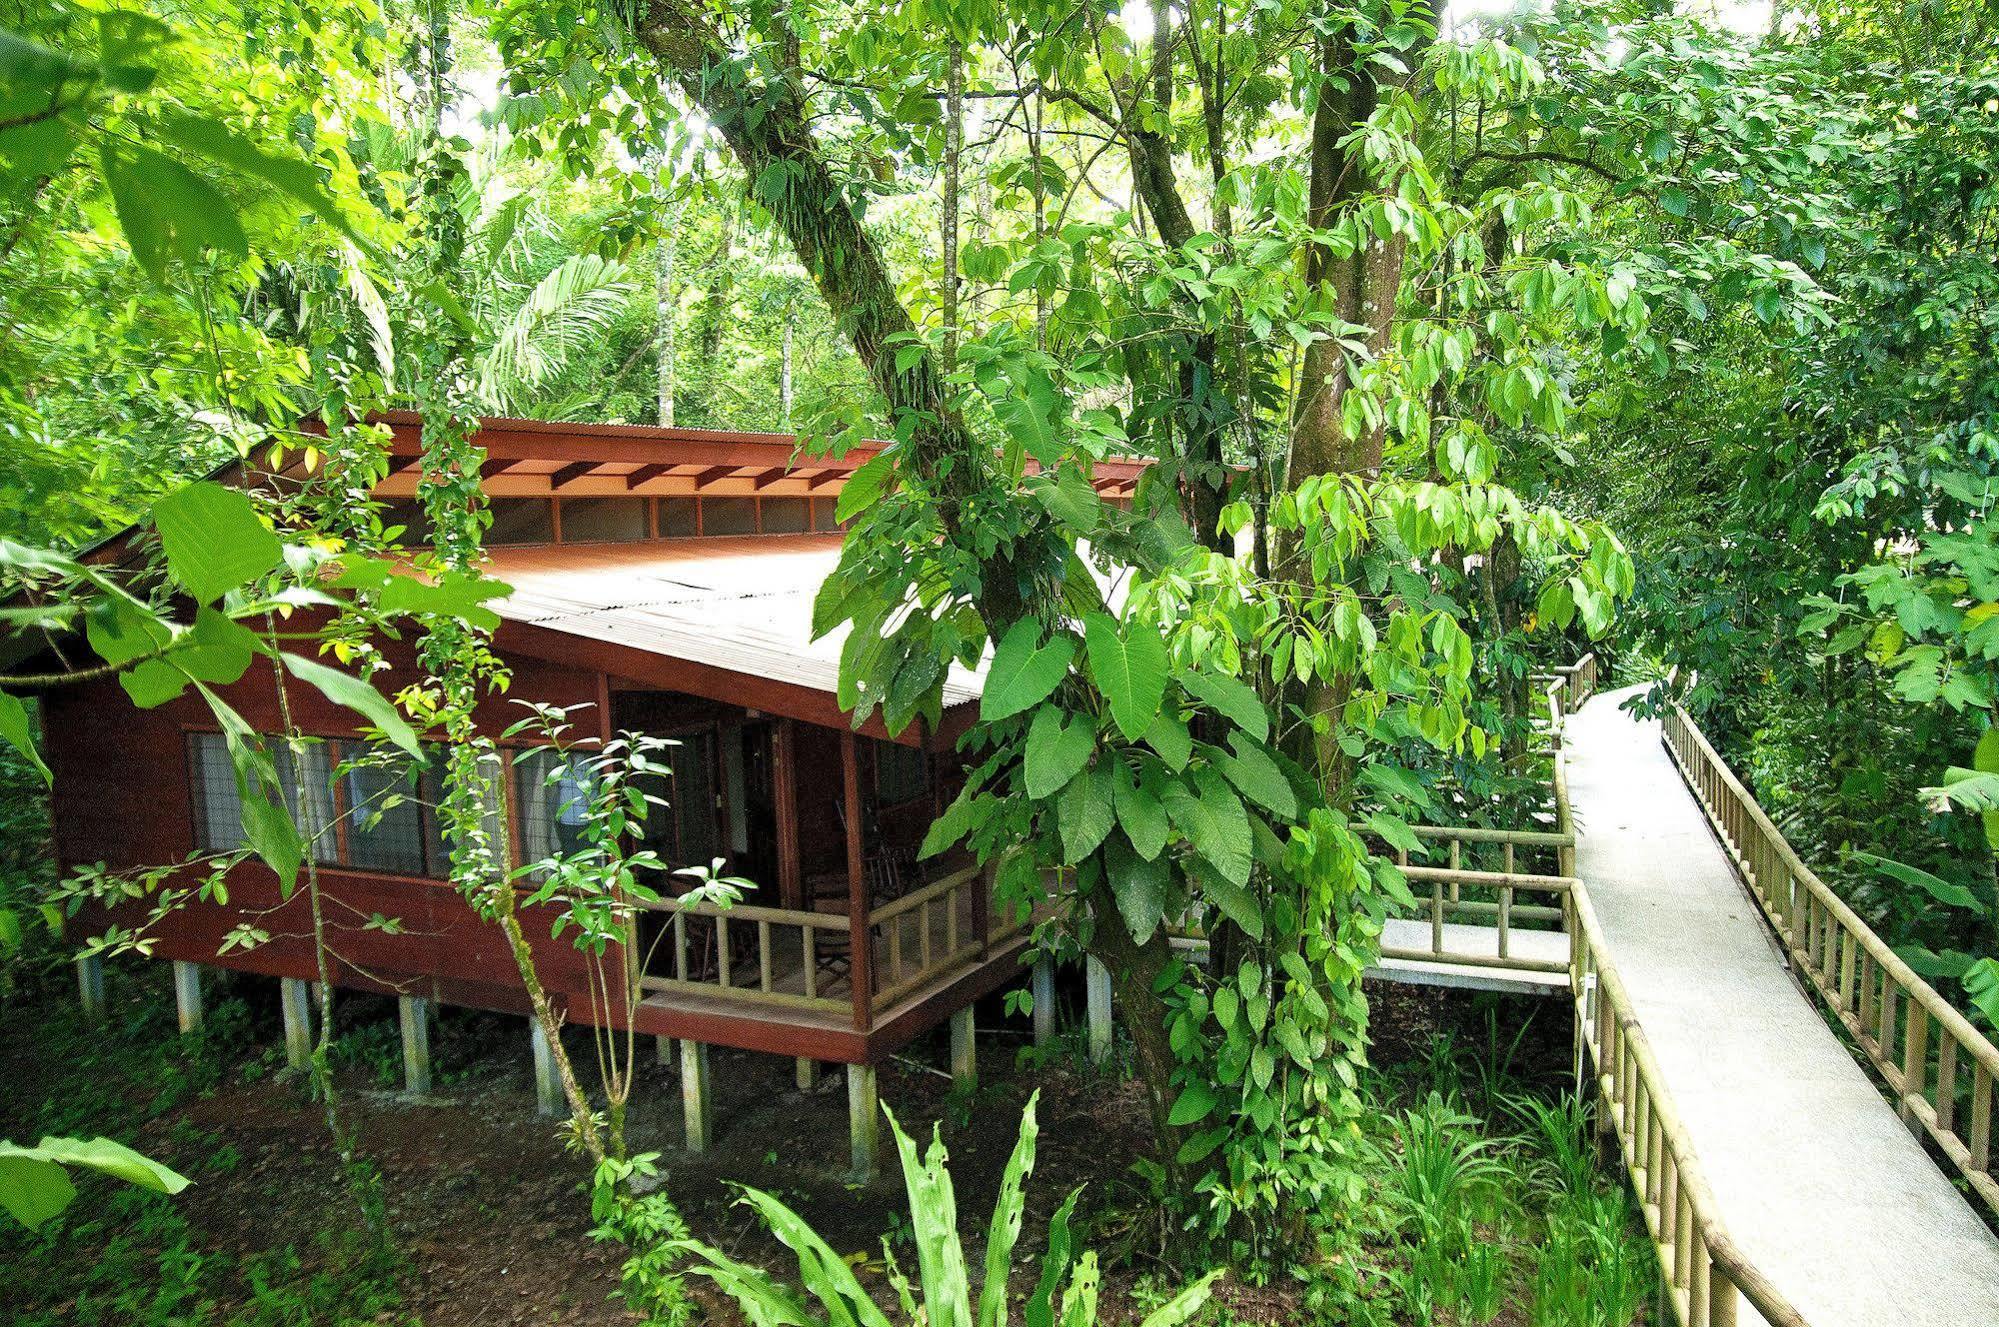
(645, 474)
(713, 473)
(768, 477)
(570, 473)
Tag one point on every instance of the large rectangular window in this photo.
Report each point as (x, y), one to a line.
(218, 807)
(372, 814)
(603, 520)
(384, 820)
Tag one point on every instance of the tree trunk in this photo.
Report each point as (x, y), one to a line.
(667, 315)
(1364, 287)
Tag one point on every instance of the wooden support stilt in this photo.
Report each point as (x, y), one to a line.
(414, 1012)
(964, 1051)
(808, 1074)
(547, 1091)
(187, 995)
(696, 1102)
(295, 1001)
(90, 986)
(664, 1045)
(1044, 1001)
(863, 1121)
(1097, 978)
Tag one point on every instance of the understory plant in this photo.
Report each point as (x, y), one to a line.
(828, 1293)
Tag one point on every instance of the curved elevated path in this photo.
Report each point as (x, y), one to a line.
(1826, 1191)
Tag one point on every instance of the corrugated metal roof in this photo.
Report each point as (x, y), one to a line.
(741, 604)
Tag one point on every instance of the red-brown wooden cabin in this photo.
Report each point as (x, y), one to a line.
(664, 578)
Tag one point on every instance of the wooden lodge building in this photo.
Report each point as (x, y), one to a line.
(663, 578)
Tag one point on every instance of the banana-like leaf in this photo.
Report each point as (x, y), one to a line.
(933, 1220)
(763, 1301)
(1005, 1229)
(824, 1273)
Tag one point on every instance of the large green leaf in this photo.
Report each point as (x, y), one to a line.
(34, 1185)
(1039, 1310)
(1128, 662)
(213, 540)
(1143, 889)
(214, 140)
(933, 1222)
(867, 483)
(1981, 983)
(1058, 746)
(1168, 736)
(1182, 1306)
(1004, 1230)
(1214, 821)
(19, 733)
(1252, 770)
(1943, 891)
(1232, 698)
(1139, 810)
(968, 810)
(1985, 759)
(1084, 813)
(352, 693)
(825, 1275)
(167, 211)
(1024, 671)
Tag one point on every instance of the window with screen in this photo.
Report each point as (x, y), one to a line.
(385, 829)
(553, 793)
(786, 515)
(728, 516)
(218, 808)
(364, 817)
(679, 518)
(902, 774)
(522, 521)
(603, 520)
(825, 514)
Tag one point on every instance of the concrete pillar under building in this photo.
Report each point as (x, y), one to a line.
(1043, 989)
(414, 1013)
(863, 1122)
(90, 986)
(964, 1051)
(1097, 978)
(295, 1000)
(547, 1089)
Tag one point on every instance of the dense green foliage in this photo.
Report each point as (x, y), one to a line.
(1808, 503)
(1455, 346)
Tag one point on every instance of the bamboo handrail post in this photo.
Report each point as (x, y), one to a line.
(1980, 1143)
(1915, 1060)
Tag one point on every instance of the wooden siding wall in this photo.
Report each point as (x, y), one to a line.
(122, 796)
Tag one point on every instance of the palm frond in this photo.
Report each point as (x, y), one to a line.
(579, 299)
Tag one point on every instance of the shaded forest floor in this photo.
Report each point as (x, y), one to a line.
(490, 1214)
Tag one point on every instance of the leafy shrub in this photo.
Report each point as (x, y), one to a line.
(1065, 1291)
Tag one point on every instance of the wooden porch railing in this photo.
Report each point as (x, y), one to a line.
(1485, 898)
(781, 969)
(1941, 1069)
(1705, 1271)
(927, 934)
(1489, 898)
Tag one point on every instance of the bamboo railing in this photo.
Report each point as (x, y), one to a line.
(925, 935)
(1707, 1275)
(1942, 1070)
(782, 969)
(1486, 898)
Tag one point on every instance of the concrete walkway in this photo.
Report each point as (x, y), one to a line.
(1824, 1188)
